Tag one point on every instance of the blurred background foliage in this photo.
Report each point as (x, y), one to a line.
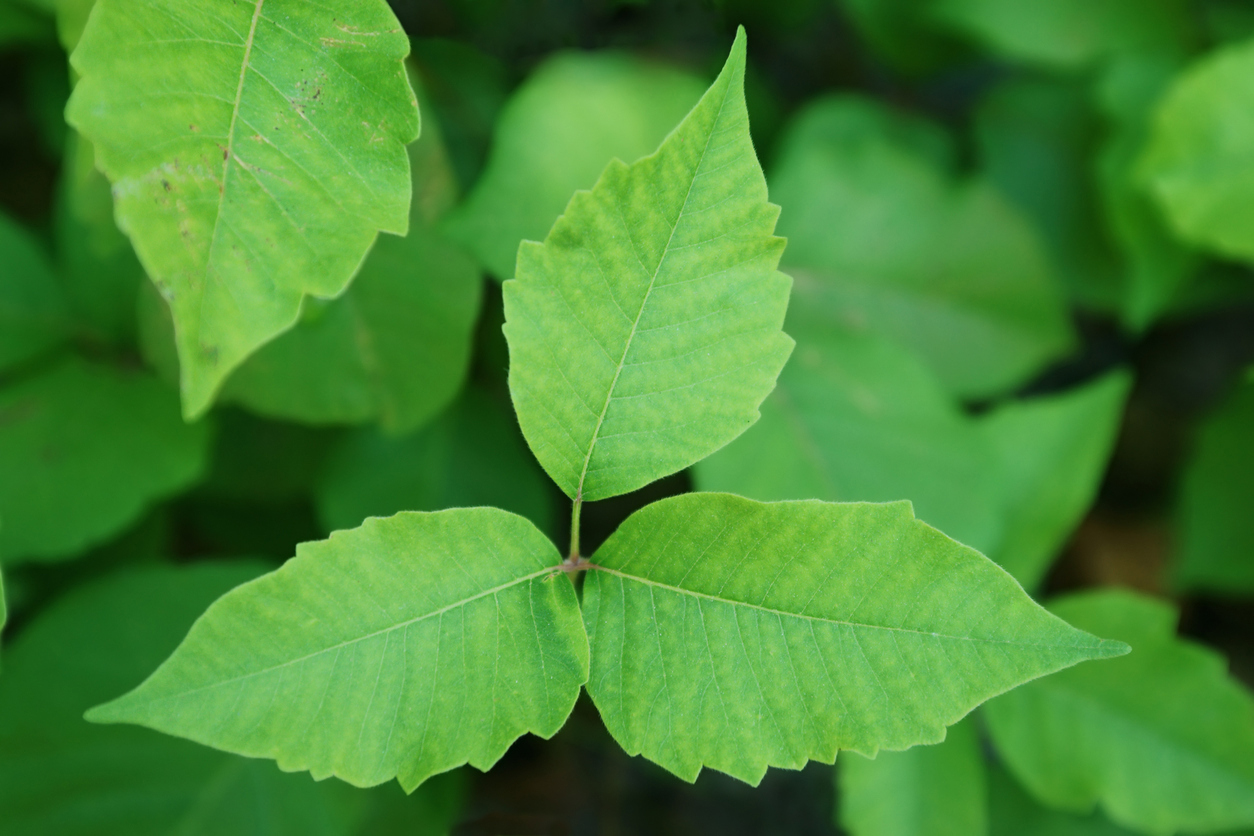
(1021, 234)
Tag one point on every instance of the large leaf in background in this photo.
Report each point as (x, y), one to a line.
(646, 330)
(1012, 812)
(1036, 138)
(858, 418)
(403, 648)
(855, 417)
(572, 116)
(33, 312)
(1200, 161)
(1163, 739)
(260, 179)
(86, 447)
(102, 276)
(925, 791)
(896, 244)
(23, 23)
(739, 635)
(472, 455)
(1068, 34)
(394, 348)
(1158, 265)
(61, 776)
(1052, 453)
(1216, 526)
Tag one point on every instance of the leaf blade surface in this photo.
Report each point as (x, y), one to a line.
(646, 330)
(402, 648)
(739, 635)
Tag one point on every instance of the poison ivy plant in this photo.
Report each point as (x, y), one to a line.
(1216, 531)
(714, 631)
(925, 791)
(86, 447)
(33, 312)
(262, 178)
(1130, 735)
(572, 116)
(60, 776)
(1198, 161)
(469, 456)
(855, 417)
(896, 244)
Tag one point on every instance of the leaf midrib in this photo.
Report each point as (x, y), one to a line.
(618, 369)
(347, 642)
(820, 619)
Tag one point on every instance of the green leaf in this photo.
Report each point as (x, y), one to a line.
(1052, 454)
(394, 348)
(573, 115)
(1069, 34)
(855, 417)
(925, 791)
(102, 276)
(945, 267)
(1201, 153)
(1163, 739)
(260, 179)
(61, 776)
(402, 649)
(901, 32)
(1216, 531)
(471, 455)
(645, 331)
(1012, 812)
(739, 635)
(86, 448)
(33, 314)
(1037, 137)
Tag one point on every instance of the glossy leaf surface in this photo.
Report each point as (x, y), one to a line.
(896, 244)
(924, 791)
(739, 635)
(259, 178)
(402, 648)
(1201, 153)
(471, 455)
(646, 329)
(61, 776)
(573, 115)
(86, 447)
(1163, 740)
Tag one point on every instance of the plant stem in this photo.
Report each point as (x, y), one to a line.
(574, 531)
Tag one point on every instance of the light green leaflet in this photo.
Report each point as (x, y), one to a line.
(1216, 527)
(925, 791)
(260, 176)
(1069, 34)
(402, 649)
(471, 455)
(86, 447)
(1201, 153)
(33, 313)
(855, 417)
(61, 776)
(737, 635)
(1133, 734)
(573, 115)
(645, 331)
(1012, 812)
(945, 267)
